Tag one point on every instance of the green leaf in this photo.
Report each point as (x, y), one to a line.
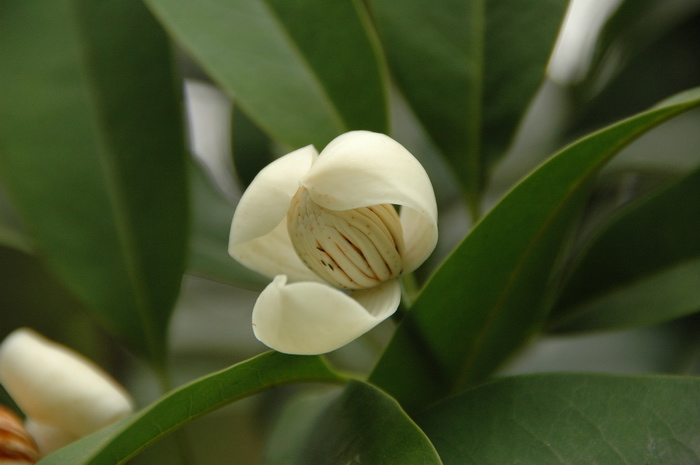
(469, 69)
(360, 425)
(11, 232)
(491, 295)
(31, 296)
(304, 71)
(562, 419)
(93, 156)
(643, 268)
(619, 80)
(211, 223)
(121, 441)
(251, 148)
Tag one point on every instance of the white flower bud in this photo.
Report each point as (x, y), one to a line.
(56, 387)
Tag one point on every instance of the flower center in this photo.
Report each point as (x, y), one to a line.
(350, 249)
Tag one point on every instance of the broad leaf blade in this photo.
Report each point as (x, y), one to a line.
(302, 85)
(92, 156)
(467, 71)
(643, 268)
(490, 295)
(558, 419)
(361, 425)
(31, 296)
(117, 443)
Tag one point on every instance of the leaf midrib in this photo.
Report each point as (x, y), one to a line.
(107, 160)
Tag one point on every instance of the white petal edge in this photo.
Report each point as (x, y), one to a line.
(362, 168)
(420, 238)
(308, 318)
(58, 387)
(258, 237)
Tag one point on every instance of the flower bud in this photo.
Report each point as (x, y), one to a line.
(16, 445)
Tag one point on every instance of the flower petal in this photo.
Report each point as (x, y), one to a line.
(48, 438)
(362, 168)
(259, 238)
(420, 233)
(311, 318)
(56, 386)
(273, 254)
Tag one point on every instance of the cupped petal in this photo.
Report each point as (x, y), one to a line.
(309, 318)
(420, 233)
(273, 254)
(258, 237)
(362, 168)
(55, 386)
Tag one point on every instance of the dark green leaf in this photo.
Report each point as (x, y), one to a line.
(619, 80)
(491, 295)
(563, 419)
(295, 425)
(31, 296)
(11, 232)
(211, 223)
(361, 425)
(469, 69)
(251, 148)
(643, 268)
(304, 71)
(117, 443)
(92, 156)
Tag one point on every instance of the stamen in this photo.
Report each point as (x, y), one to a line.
(350, 249)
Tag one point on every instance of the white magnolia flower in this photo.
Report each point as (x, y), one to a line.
(325, 227)
(64, 395)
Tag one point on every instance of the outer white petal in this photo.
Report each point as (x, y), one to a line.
(58, 387)
(259, 238)
(311, 318)
(48, 438)
(273, 254)
(362, 168)
(420, 237)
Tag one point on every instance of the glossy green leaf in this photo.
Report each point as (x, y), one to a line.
(643, 268)
(563, 419)
(92, 156)
(360, 425)
(294, 426)
(117, 443)
(211, 223)
(252, 150)
(491, 295)
(469, 69)
(31, 296)
(304, 71)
